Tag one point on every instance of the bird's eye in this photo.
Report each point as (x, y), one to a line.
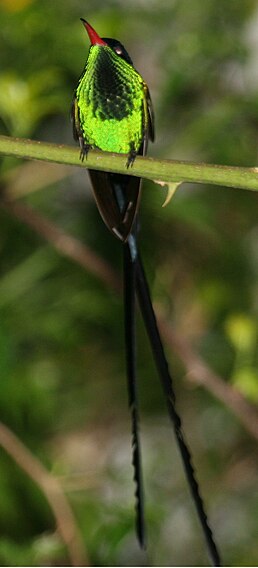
(118, 50)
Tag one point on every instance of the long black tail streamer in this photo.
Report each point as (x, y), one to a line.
(142, 290)
(130, 343)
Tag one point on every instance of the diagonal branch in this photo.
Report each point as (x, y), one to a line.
(200, 374)
(49, 485)
(64, 243)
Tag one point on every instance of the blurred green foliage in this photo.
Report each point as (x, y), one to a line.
(62, 384)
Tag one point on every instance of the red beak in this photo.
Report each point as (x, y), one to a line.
(94, 37)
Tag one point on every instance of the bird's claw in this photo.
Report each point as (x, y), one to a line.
(131, 157)
(84, 149)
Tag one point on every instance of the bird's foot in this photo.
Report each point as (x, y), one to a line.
(131, 157)
(84, 149)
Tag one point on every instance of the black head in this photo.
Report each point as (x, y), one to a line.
(118, 48)
(114, 44)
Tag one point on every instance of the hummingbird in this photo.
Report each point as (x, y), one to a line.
(113, 112)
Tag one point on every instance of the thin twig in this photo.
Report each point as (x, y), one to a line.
(49, 485)
(64, 243)
(31, 176)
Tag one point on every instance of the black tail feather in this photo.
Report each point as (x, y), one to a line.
(130, 342)
(135, 280)
(150, 322)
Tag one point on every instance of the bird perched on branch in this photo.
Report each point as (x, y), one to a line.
(112, 111)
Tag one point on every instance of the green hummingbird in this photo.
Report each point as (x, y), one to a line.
(112, 111)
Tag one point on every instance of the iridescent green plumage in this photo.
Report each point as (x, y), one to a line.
(112, 103)
(112, 111)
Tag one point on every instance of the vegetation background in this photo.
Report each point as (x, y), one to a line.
(62, 378)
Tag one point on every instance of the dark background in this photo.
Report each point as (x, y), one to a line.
(62, 378)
